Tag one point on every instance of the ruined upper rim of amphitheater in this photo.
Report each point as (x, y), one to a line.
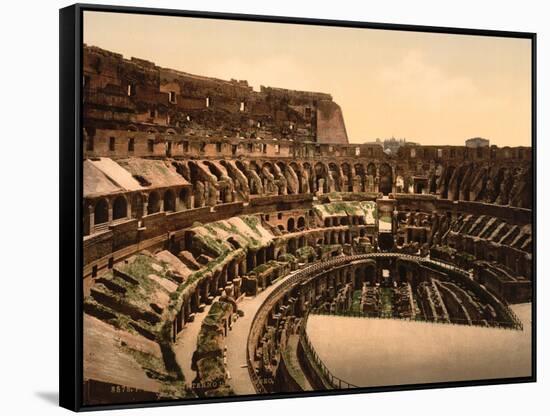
(134, 108)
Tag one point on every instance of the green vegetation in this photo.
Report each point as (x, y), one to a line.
(123, 296)
(252, 221)
(214, 241)
(210, 344)
(287, 257)
(386, 302)
(268, 265)
(385, 218)
(367, 209)
(329, 248)
(153, 366)
(356, 302)
(218, 311)
(305, 253)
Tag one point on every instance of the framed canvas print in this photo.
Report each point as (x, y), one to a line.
(256, 207)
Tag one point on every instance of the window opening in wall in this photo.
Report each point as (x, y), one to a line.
(101, 212)
(234, 149)
(207, 102)
(131, 144)
(112, 144)
(131, 90)
(357, 151)
(185, 145)
(413, 152)
(202, 147)
(242, 106)
(218, 147)
(120, 208)
(172, 97)
(150, 145)
(277, 149)
(440, 153)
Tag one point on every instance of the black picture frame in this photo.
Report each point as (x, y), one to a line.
(70, 182)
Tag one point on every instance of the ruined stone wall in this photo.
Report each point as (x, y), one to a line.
(137, 95)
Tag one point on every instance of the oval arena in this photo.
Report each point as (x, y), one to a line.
(225, 227)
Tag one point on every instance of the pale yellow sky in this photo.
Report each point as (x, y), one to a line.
(429, 88)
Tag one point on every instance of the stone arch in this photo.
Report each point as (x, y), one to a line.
(120, 207)
(448, 174)
(360, 172)
(153, 204)
(298, 172)
(169, 201)
(254, 177)
(184, 199)
(335, 173)
(371, 169)
(290, 225)
(213, 169)
(292, 246)
(309, 177)
(101, 211)
(385, 184)
(301, 223)
(400, 185)
(291, 182)
(271, 183)
(347, 176)
(240, 165)
(321, 173)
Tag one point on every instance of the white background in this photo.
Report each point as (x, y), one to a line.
(29, 205)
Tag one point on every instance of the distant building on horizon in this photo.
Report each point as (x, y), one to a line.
(477, 142)
(392, 145)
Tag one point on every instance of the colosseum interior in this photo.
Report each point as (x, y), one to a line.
(218, 220)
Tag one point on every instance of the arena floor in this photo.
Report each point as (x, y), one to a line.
(383, 352)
